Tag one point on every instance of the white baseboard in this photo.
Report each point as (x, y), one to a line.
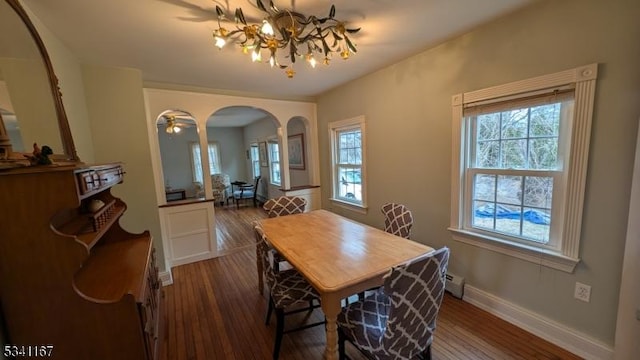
(166, 277)
(558, 334)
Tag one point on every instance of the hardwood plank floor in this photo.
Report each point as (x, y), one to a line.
(214, 311)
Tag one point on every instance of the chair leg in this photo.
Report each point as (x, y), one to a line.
(269, 310)
(426, 354)
(279, 333)
(341, 349)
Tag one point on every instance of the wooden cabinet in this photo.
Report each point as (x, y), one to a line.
(70, 276)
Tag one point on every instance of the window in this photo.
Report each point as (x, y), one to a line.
(348, 161)
(274, 162)
(196, 160)
(255, 160)
(521, 181)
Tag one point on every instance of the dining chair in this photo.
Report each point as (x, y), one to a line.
(398, 219)
(247, 192)
(287, 289)
(281, 206)
(285, 205)
(399, 319)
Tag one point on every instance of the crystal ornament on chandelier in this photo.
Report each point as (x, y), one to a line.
(298, 35)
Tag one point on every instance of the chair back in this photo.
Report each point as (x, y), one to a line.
(285, 205)
(220, 181)
(398, 219)
(263, 254)
(415, 291)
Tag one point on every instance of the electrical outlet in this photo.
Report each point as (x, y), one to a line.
(582, 292)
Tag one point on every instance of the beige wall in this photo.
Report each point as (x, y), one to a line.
(116, 111)
(408, 114)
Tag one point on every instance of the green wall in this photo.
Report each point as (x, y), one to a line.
(408, 114)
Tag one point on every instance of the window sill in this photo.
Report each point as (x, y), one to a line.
(535, 255)
(362, 209)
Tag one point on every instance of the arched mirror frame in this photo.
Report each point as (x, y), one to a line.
(66, 138)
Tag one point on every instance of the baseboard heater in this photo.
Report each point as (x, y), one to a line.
(455, 285)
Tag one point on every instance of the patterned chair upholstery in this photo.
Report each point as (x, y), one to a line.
(398, 320)
(220, 183)
(287, 288)
(398, 219)
(285, 205)
(281, 206)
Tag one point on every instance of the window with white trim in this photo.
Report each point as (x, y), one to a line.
(255, 160)
(196, 160)
(519, 166)
(348, 161)
(274, 161)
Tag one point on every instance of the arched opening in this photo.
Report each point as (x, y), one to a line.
(180, 155)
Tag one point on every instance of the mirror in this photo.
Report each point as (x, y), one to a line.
(30, 101)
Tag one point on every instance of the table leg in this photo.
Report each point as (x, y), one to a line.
(331, 308)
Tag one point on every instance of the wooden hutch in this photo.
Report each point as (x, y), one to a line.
(71, 279)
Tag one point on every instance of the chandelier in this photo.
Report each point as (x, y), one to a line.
(298, 35)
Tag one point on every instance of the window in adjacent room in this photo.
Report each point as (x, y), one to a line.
(255, 160)
(274, 161)
(522, 158)
(348, 162)
(196, 160)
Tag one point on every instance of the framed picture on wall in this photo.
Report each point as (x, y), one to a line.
(296, 151)
(262, 148)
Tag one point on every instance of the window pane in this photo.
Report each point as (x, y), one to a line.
(488, 154)
(484, 187)
(483, 215)
(537, 224)
(351, 183)
(509, 190)
(545, 120)
(508, 219)
(514, 123)
(543, 153)
(344, 159)
(514, 154)
(538, 191)
(489, 127)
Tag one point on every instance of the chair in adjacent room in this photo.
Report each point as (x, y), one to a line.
(247, 192)
(398, 219)
(220, 184)
(287, 289)
(285, 205)
(398, 320)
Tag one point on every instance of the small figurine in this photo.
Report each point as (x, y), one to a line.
(40, 156)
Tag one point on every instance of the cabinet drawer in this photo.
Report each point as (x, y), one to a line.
(98, 178)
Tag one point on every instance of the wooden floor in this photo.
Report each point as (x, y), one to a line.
(214, 311)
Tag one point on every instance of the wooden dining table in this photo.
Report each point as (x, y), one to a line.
(338, 256)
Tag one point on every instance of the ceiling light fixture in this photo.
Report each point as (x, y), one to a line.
(290, 31)
(172, 126)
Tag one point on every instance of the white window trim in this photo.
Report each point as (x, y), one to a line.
(272, 161)
(567, 257)
(356, 122)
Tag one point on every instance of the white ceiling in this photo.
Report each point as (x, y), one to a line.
(170, 41)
